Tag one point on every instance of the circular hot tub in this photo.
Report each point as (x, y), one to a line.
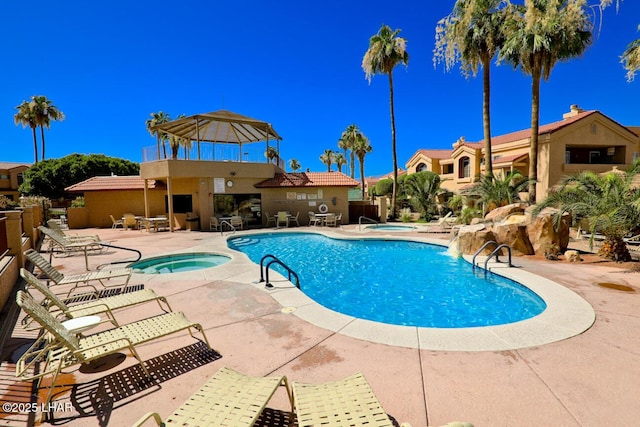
(178, 263)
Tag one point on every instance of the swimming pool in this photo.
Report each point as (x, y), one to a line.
(395, 281)
(387, 227)
(178, 263)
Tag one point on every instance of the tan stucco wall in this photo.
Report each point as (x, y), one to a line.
(102, 203)
(275, 199)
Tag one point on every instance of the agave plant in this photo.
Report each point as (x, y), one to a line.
(609, 203)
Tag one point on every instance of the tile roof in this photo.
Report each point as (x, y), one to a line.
(436, 154)
(308, 179)
(11, 165)
(102, 183)
(509, 159)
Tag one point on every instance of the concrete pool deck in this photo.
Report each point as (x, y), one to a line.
(588, 380)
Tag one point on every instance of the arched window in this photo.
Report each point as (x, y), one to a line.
(464, 167)
(421, 167)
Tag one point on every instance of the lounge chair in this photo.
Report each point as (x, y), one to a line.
(229, 398)
(79, 280)
(444, 224)
(96, 306)
(116, 222)
(347, 402)
(55, 226)
(60, 349)
(68, 245)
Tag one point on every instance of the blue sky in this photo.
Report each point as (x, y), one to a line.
(297, 65)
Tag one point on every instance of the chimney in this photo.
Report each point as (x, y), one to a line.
(574, 110)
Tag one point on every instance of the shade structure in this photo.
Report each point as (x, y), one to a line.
(220, 126)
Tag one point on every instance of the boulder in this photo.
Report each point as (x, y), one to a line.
(499, 214)
(471, 238)
(572, 256)
(513, 232)
(543, 233)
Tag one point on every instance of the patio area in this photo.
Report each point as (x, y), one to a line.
(588, 380)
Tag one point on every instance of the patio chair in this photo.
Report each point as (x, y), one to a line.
(313, 219)
(295, 219)
(271, 220)
(60, 349)
(130, 221)
(330, 220)
(283, 218)
(58, 242)
(339, 219)
(79, 280)
(347, 402)
(213, 223)
(116, 222)
(93, 307)
(237, 222)
(229, 398)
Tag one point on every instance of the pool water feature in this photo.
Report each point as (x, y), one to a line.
(178, 263)
(395, 281)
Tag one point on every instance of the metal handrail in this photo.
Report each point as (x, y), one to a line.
(124, 249)
(274, 260)
(223, 222)
(367, 218)
(495, 252)
(473, 260)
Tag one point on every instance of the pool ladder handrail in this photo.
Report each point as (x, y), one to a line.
(373, 221)
(222, 223)
(496, 253)
(274, 260)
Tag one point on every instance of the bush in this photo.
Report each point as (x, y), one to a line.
(406, 215)
(78, 202)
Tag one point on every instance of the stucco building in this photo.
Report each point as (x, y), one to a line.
(582, 140)
(11, 178)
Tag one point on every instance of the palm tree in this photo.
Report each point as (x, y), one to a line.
(386, 50)
(423, 187)
(294, 165)
(501, 190)
(271, 154)
(346, 142)
(610, 204)
(26, 117)
(327, 158)
(158, 119)
(537, 36)
(472, 34)
(44, 112)
(631, 58)
(175, 142)
(340, 161)
(361, 149)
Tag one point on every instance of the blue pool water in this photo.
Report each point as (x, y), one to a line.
(396, 282)
(178, 263)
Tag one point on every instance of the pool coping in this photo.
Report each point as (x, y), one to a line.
(567, 314)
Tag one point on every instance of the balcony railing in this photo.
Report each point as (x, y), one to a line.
(250, 153)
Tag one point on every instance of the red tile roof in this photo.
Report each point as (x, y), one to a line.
(308, 179)
(508, 159)
(436, 154)
(11, 165)
(102, 183)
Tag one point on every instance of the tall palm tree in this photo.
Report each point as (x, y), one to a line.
(472, 34)
(175, 142)
(361, 149)
(26, 117)
(340, 161)
(327, 158)
(44, 112)
(386, 50)
(294, 164)
(610, 204)
(346, 142)
(537, 36)
(158, 119)
(631, 58)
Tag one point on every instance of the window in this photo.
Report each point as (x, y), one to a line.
(182, 203)
(594, 157)
(421, 167)
(464, 168)
(447, 169)
(248, 206)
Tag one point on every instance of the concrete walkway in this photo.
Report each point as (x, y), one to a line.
(588, 380)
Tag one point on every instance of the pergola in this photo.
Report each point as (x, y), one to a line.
(220, 126)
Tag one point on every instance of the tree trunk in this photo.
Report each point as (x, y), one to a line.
(535, 120)
(393, 149)
(42, 138)
(35, 144)
(362, 174)
(352, 157)
(486, 116)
